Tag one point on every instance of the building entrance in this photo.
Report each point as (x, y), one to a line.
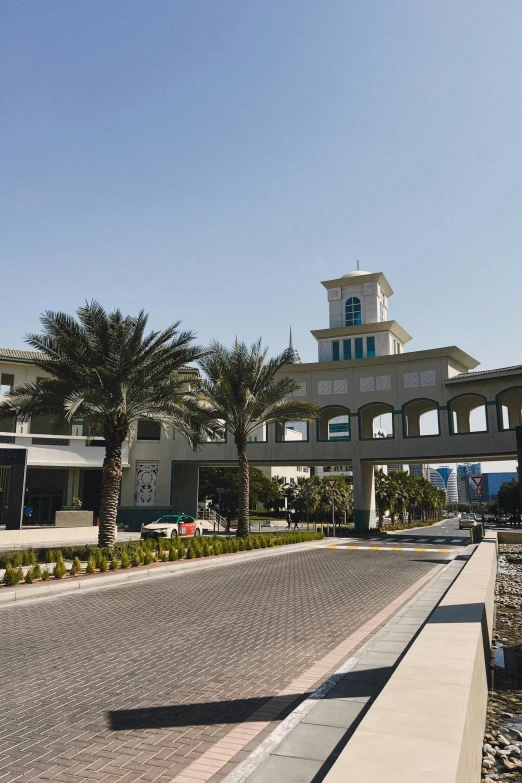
(46, 492)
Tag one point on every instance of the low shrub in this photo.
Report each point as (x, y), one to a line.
(147, 557)
(125, 560)
(114, 563)
(190, 553)
(50, 556)
(45, 575)
(76, 567)
(37, 572)
(103, 564)
(12, 576)
(60, 569)
(137, 558)
(165, 555)
(28, 578)
(28, 557)
(16, 559)
(91, 565)
(173, 553)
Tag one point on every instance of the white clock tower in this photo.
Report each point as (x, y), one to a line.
(359, 325)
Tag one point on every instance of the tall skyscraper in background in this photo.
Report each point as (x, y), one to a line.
(420, 471)
(445, 478)
(467, 489)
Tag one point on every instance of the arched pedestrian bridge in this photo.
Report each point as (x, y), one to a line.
(424, 407)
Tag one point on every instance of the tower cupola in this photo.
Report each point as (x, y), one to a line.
(359, 326)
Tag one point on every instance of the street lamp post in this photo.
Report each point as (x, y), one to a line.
(332, 483)
(307, 493)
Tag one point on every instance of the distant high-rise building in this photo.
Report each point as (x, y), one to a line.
(445, 478)
(420, 471)
(467, 489)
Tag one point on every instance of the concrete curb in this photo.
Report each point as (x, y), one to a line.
(428, 721)
(43, 590)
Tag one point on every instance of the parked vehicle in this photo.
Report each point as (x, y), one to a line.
(466, 521)
(172, 526)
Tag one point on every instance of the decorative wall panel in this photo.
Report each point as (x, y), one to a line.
(383, 382)
(427, 378)
(340, 387)
(324, 387)
(146, 483)
(367, 384)
(411, 380)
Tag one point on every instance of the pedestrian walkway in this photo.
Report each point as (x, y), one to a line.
(148, 680)
(306, 745)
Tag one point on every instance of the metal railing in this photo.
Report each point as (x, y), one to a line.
(208, 514)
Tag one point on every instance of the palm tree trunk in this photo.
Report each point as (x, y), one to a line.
(244, 487)
(110, 491)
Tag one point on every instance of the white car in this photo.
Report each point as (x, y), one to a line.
(172, 526)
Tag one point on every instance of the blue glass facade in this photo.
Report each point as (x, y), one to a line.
(492, 483)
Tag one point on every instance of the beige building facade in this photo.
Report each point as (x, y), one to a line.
(385, 391)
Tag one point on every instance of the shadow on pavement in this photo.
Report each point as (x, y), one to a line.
(204, 714)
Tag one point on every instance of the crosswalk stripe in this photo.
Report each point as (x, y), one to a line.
(387, 548)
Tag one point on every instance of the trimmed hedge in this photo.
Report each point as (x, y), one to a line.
(135, 553)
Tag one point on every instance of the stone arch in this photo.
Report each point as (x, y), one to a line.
(333, 423)
(509, 408)
(460, 409)
(367, 417)
(415, 418)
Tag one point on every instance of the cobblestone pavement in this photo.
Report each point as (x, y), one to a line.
(134, 683)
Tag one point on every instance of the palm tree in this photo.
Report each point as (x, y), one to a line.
(104, 369)
(242, 390)
(383, 497)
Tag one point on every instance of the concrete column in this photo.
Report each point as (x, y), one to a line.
(73, 485)
(184, 488)
(463, 420)
(364, 495)
(413, 424)
(519, 458)
(514, 415)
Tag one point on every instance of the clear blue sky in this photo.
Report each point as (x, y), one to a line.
(214, 160)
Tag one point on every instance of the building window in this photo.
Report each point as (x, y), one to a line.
(148, 430)
(381, 309)
(335, 350)
(6, 382)
(370, 346)
(359, 348)
(347, 349)
(353, 311)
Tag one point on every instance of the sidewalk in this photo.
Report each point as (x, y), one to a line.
(306, 745)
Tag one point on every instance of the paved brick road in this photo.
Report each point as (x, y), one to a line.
(135, 682)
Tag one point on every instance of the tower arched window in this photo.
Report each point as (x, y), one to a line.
(353, 311)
